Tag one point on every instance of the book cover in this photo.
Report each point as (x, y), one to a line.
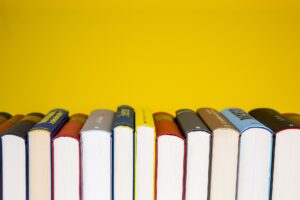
(10, 122)
(99, 120)
(273, 119)
(4, 116)
(52, 122)
(242, 120)
(294, 117)
(124, 117)
(165, 124)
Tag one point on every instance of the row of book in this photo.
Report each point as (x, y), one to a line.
(134, 154)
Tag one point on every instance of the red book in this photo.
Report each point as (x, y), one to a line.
(10, 122)
(66, 160)
(170, 158)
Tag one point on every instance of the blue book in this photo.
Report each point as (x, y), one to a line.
(255, 156)
(123, 154)
(39, 153)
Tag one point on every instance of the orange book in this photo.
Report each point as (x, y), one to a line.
(170, 158)
(10, 122)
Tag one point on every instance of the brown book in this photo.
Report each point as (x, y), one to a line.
(170, 158)
(224, 156)
(4, 116)
(10, 122)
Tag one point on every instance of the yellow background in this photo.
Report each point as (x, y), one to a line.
(163, 54)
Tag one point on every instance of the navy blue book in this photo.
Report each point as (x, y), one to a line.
(14, 158)
(255, 155)
(123, 153)
(39, 153)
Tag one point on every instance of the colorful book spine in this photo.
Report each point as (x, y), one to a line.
(4, 116)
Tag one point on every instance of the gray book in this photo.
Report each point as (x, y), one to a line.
(96, 145)
(189, 121)
(198, 138)
(99, 120)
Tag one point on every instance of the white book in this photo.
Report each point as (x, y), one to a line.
(255, 157)
(13, 158)
(224, 156)
(198, 138)
(97, 156)
(144, 156)
(286, 173)
(123, 150)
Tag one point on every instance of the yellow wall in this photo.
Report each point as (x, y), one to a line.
(164, 54)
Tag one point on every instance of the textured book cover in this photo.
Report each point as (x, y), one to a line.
(242, 120)
(72, 127)
(10, 122)
(99, 120)
(189, 121)
(294, 117)
(273, 119)
(165, 125)
(4, 116)
(214, 119)
(52, 122)
(125, 116)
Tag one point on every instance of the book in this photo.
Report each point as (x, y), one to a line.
(39, 153)
(224, 155)
(10, 122)
(198, 138)
(286, 173)
(123, 153)
(66, 181)
(255, 155)
(294, 117)
(96, 152)
(170, 158)
(4, 116)
(144, 155)
(13, 158)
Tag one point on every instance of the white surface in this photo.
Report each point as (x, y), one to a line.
(198, 152)
(145, 163)
(66, 169)
(170, 168)
(14, 168)
(96, 165)
(255, 164)
(123, 163)
(286, 182)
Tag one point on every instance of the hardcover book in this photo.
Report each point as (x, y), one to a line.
(294, 117)
(198, 154)
(170, 158)
(66, 179)
(96, 155)
(144, 155)
(13, 157)
(10, 122)
(224, 158)
(39, 153)
(4, 116)
(255, 156)
(123, 153)
(286, 173)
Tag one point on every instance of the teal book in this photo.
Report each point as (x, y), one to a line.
(255, 157)
(123, 153)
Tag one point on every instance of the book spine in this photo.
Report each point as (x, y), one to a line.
(52, 122)
(189, 121)
(10, 122)
(242, 120)
(4, 116)
(294, 117)
(273, 119)
(144, 118)
(124, 117)
(214, 119)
